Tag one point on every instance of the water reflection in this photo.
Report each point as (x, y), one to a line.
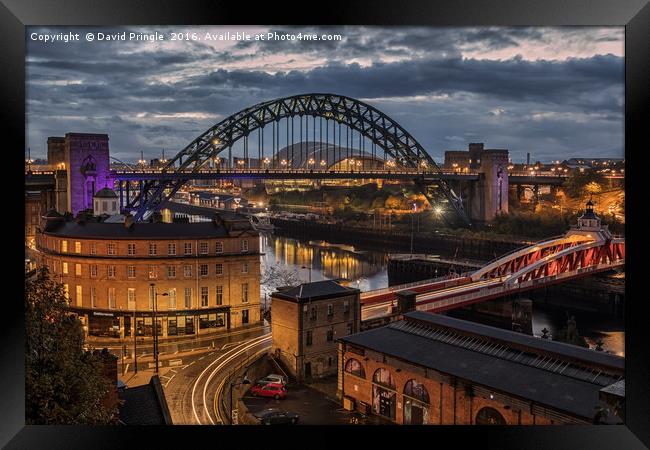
(363, 269)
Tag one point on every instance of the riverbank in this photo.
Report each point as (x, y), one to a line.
(445, 244)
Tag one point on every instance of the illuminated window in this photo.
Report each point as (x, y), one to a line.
(93, 297)
(65, 268)
(77, 247)
(204, 295)
(77, 270)
(153, 272)
(111, 297)
(64, 246)
(172, 298)
(79, 298)
(244, 292)
(131, 298)
(66, 291)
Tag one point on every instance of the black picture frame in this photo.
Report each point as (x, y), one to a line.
(633, 14)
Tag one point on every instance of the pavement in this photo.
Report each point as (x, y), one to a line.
(313, 407)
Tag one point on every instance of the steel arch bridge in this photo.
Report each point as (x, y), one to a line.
(357, 116)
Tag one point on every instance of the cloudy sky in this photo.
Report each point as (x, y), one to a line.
(553, 92)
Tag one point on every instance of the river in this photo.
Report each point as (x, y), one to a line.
(366, 269)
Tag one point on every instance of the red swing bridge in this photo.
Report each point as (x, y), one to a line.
(585, 249)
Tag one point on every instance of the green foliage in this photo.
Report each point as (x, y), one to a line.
(63, 382)
(577, 182)
(530, 224)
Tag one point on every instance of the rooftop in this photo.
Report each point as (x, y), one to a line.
(554, 374)
(144, 405)
(315, 290)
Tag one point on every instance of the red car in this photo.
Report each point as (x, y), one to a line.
(275, 390)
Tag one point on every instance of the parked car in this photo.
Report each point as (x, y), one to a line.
(273, 378)
(274, 390)
(275, 416)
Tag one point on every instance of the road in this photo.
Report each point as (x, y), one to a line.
(191, 388)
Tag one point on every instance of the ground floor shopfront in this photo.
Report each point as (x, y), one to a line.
(120, 325)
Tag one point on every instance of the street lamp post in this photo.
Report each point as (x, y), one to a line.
(233, 384)
(155, 323)
(415, 208)
(135, 344)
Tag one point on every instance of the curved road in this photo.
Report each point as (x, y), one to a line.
(191, 389)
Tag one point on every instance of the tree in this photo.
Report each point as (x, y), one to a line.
(274, 277)
(64, 384)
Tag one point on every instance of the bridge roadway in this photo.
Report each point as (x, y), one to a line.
(549, 262)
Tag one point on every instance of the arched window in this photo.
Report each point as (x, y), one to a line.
(417, 391)
(489, 416)
(383, 378)
(355, 368)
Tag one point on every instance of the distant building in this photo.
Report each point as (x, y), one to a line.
(306, 322)
(438, 370)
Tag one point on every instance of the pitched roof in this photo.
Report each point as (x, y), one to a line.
(144, 405)
(316, 289)
(105, 193)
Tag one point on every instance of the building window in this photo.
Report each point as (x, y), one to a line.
(77, 270)
(204, 296)
(171, 249)
(66, 291)
(218, 269)
(219, 247)
(172, 298)
(244, 292)
(188, 248)
(354, 367)
(93, 297)
(93, 271)
(131, 249)
(64, 246)
(65, 268)
(203, 248)
(131, 298)
(187, 271)
(219, 295)
(203, 270)
(111, 298)
(77, 247)
(244, 267)
(110, 271)
(188, 298)
(489, 416)
(312, 314)
(244, 317)
(330, 335)
(244, 245)
(309, 338)
(152, 296)
(153, 272)
(93, 248)
(171, 271)
(79, 298)
(330, 310)
(152, 249)
(130, 271)
(349, 328)
(346, 307)
(384, 397)
(111, 249)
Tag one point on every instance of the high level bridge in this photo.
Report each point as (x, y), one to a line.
(585, 249)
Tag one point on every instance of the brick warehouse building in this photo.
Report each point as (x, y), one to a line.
(434, 369)
(210, 272)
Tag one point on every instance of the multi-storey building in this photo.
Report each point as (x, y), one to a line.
(306, 322)
(199, 277)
